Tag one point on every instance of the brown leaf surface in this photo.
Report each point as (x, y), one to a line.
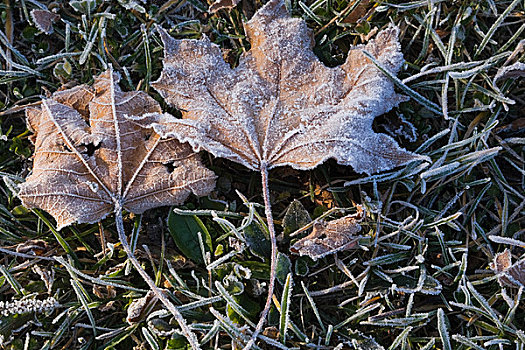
(281, 105)
(509, 275)
(140, 308)
(329, 237)
(44, 20)
(89, 159)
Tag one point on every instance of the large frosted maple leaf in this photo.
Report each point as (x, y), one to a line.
(281, 105)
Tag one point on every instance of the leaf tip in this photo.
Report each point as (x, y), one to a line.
(272, 10)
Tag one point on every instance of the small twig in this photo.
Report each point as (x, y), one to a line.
(102, 236)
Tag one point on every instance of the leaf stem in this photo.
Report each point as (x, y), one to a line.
(190, 336)
(273, 261)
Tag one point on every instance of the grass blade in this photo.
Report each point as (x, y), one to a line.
(443, 329)
(285, 308)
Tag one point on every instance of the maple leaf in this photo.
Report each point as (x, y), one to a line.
(281, 106)
(90, 160)
(330, 237)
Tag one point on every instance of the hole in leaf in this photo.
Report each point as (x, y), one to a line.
(147, 136)
(90, 149)
(170, 167)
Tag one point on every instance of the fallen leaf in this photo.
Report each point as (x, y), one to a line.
(281, 105)
(44, 20)
(109, 306)
(89, 159)
(140, 308)
(509, 274)
(271, 332)
(329, 237)
(358, 12)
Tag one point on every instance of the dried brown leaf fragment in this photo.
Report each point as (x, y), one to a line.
(223, 5)
(330, 237)
(509, 274)
(44, 20)
(139, 309)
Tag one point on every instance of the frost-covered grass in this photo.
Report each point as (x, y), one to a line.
(421, 277)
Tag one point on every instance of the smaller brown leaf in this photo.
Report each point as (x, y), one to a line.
(33, 247)
(330, 237)
(271, 332)
(509, 275)
(359, 11)
(44, 20)
(140, 308)
(89, 159)
(109, 306)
